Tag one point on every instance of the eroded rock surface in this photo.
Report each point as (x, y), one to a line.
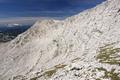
(82, 47)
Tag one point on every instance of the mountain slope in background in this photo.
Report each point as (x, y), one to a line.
(11, 31)
(82, 47)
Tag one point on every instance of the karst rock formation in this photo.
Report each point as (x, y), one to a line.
(85, 46)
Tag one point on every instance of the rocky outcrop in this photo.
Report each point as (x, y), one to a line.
(82, 47)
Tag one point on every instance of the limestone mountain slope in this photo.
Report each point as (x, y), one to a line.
(82, 47)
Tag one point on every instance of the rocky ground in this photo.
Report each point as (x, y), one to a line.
(82, 47)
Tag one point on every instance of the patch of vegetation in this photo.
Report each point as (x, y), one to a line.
(108, 54)
(98, 79)
(110, 74)
(19, 77)
(35, 78)
(50, 72)
(60, 66)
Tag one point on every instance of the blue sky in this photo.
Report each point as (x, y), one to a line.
(44, 8)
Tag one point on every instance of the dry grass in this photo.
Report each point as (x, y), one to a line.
(109, 55)
(110, 74)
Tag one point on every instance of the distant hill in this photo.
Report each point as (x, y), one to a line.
(8, 33)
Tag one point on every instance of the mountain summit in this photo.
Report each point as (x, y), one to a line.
(82, 47)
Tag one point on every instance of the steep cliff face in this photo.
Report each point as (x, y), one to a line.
(82, 47)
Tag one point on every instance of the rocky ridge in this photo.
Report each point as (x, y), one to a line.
(82, 47)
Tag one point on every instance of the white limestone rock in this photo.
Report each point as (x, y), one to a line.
(82, 47)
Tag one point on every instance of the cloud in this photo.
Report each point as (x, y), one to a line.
(20, 20)
(25, 20)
